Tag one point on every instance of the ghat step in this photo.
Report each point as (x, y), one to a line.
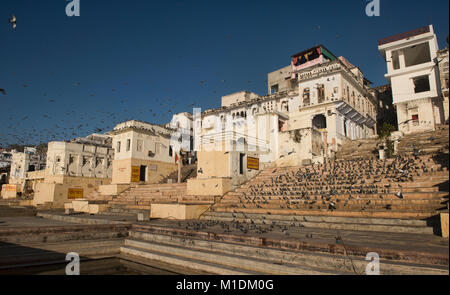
(266, 260)
(325, 222)
(225, 262)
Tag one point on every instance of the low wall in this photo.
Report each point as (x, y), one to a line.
(9, 191)
(112, 189)
(60, 189)
(208, 187)
(177, 211)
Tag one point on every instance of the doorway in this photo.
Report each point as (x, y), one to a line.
(143, 173)
(345, 127)
(241, 163)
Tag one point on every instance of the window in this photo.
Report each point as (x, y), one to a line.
(98, 162)
(421, 84)
(118, 147)
(395, 60)
(321, 93)
(415, 120)
(274, 89)
(417, 54)
(139, 145)
(170, 151)
(241, 163)
(306, 99)
(128, 144)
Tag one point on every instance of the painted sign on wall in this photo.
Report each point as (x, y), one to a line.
(75, 193)
(9, 187)
(135, 174)
(252, 163)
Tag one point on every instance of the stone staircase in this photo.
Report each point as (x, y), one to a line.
(140, 197)
(362, 148)
(349, 195)
(187, 172)
(229, 255)
(430, 142)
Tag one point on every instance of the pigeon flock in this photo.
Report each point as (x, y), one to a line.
(354, 185)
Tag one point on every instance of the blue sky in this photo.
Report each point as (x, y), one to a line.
(66, 77)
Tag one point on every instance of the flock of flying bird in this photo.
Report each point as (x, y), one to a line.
(78, 123)
(104, 119)
(75, 123)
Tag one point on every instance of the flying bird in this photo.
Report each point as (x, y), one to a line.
(13, 21)
(3, 91)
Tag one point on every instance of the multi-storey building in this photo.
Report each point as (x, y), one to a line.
(413, 73)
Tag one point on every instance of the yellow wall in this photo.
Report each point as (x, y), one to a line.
(122, 170)
(208, 187)
(213, 164)
(177, 211)
(55, 189)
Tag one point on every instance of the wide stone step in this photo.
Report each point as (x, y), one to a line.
(332, 225)
(374, 196)
(190, 263)
(399, 204)
(334, 263)
(341, 213)
(329, 219)
(299, 190)
(248, 264)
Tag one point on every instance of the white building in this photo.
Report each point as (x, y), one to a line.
(182, 137)
(143, 152)
(443, 72)
(411, 59)
(82, 157)
(313, 106)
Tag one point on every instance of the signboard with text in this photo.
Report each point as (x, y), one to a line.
(253, 163)
(10, 187)
(135, 174)
(75, 193)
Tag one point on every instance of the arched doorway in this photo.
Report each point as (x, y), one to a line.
(319, 122)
